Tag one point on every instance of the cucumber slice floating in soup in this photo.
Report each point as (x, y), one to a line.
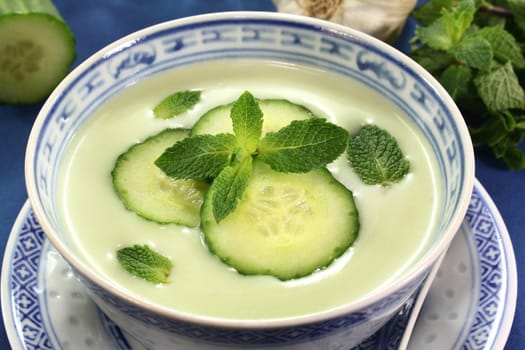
(37, 49)
(146, 190)
(277, 114)
(286, 225)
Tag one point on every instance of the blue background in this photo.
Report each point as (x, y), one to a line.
(96, 23)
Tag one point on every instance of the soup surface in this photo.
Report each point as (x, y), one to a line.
(396, 222)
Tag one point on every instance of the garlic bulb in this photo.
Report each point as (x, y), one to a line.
(383, 19)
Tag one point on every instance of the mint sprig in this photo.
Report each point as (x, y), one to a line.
(303, 145)
(475, 49)
(226, 159)
(199, 157)
(376, 157)
(229, 187)
(500, 89)
(176, 104)
(145, 263)
(247, 122)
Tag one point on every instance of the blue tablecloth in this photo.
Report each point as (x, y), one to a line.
(96, 23)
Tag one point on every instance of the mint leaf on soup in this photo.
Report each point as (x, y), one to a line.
(376, 157)
(500, 89)
(145, 263)
(176, 104)
(199, 157)
(303, 145)
(229, 186)
(247, 121)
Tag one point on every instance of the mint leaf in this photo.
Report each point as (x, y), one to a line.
(376, 157)
(514, 158)
(143, 262)
(436, 36)
(431, 59)
(500, 89)
(198, 157)
(303, 145)
(491, 132)
(456, 79)
(430, 11)
(446, 32)
(474, 51)
(247, 121)
(518, 10)
(176, 104)
(504, 45)
(229, 186)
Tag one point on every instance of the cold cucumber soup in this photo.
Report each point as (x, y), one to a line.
(395, 221)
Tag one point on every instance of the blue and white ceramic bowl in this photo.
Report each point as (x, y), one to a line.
(271, 36)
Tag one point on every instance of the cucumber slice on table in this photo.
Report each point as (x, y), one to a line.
(37, 49)
(146, 190)
(277, 114)
(286, 225)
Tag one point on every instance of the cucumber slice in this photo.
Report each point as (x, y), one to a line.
(277, 114)
(37, 49)
(286, 225)
(146, 190)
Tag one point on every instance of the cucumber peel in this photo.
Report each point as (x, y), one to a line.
(37, 49)
(277, 114)
(151, 194)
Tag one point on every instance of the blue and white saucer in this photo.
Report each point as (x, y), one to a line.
(470, 305)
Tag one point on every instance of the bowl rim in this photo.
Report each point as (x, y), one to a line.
(410, 274)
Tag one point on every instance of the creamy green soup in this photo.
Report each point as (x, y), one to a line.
(395, 222)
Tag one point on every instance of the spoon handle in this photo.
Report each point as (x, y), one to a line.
(418, 304)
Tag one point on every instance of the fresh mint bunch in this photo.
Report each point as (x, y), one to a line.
(227, 159)
(144, 262)
(475, 49)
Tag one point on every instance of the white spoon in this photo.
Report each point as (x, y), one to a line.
(418, 304)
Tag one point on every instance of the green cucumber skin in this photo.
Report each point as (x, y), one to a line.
(202, 125)
(33, 17)
(23, 7)
(121, 181)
